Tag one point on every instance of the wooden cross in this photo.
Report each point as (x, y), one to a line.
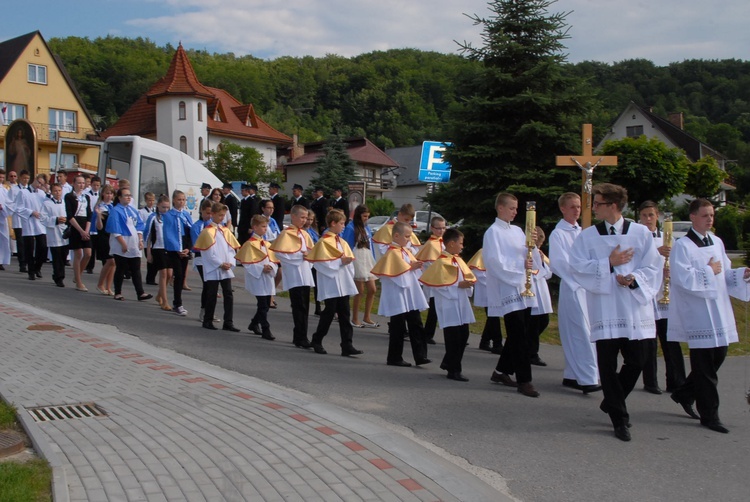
(586, 163)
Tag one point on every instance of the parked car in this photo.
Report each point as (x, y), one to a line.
(680, 228)
(420, 222)
(287, 220)
(375, 222)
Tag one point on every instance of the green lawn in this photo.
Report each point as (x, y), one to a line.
(29, 481)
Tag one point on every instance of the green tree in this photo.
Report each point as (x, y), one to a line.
(704, 178)
(646, 167)
(519, 110)
(232, 162)
(335, 168)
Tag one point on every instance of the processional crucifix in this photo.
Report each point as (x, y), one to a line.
(587, 163)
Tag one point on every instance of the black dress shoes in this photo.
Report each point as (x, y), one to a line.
(351, 351)
(622, 433)
(653, 389)
(59, 284)
(503, 379)
(209, 325)
(537, 361)
(420, 362)
(716, 427)
(485, 346)
(303, 344)
(458, 377)
(38, 274)
(318, 348)
(573, 384)
(400, 363)
(527, 389)
(230, 327)
(497, 349)
(32, 277)
(588, 389)
(255, 328)
(431, 341)
(687, 406)
(267, 335)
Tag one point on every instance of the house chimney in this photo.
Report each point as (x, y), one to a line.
(677, 119)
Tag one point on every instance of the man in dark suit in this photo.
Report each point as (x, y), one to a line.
(319, 206)
(231, 202)
(298, 199)
(338, 201)
(278, 204)
(248, 208)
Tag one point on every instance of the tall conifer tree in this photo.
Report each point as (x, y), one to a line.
(335, 167)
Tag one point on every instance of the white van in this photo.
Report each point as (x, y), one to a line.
(154, 167)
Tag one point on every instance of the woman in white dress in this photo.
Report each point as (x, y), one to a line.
(359, 237)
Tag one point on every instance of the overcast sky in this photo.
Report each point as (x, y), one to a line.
(662, 31)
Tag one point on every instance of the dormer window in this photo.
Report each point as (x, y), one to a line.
(183, 113)
(217, 116)
(249, 122)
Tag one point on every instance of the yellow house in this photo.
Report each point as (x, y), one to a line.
(35, 86)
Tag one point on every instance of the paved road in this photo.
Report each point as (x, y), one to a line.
(559, 447)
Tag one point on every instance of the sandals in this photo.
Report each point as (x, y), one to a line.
(273, 305)
(119, 297)
(366, 324)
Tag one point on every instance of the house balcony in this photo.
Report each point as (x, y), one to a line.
(378, 185)
(49, 133)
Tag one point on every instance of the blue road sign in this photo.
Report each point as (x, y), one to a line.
(433, 168)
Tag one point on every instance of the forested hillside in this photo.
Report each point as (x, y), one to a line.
(400, 97)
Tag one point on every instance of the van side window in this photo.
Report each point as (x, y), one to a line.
(153, 179)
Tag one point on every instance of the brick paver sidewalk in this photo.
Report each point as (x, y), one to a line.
(178, 429)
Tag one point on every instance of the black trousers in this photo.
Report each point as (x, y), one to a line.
(178, 265)
(701, 384)
(455, 344)
(20, 252)
(397, 331)
(151, 273)
(261, 314)
(131, 266)
(315, 289)
(35, 252)
(430, 324)
(538, 324)
(212, 288)
(492, 331)
(59, 257)
(340, 306)
(204, 296)
(514, 358)
(673, 360)
(616, 386)
(300, 299)
(94, 246)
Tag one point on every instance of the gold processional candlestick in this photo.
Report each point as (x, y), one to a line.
(666, 231)
(530, 243)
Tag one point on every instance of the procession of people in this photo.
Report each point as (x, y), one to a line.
(612, 275)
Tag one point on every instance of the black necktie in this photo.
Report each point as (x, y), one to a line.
(654, 233)
(706, 242)
(612, 230)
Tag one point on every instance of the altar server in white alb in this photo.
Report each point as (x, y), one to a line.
(55, 219)
(451, 281)
(617, 263)
(700, 311)
(580, 371)
(332, 258)
(28, 205)
(5, 213)
(541, 273)
(505, 256)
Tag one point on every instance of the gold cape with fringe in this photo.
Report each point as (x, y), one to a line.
(477, 261)
(253, 252)
(444, 271)
(207, 238)
(289, 241)
(431, 249)
(384, 235)
(392, 263)
(327, 250)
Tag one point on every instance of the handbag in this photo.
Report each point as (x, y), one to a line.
(66, 232)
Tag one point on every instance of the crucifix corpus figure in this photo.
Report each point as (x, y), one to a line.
(586, 163)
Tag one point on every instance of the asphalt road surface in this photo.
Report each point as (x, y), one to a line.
(558, 447)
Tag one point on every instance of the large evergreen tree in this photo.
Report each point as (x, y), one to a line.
(519, 110)
(335, 167)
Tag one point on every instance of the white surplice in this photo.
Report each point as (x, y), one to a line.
(221, 252)
(401, 293)
(572, 311)
(540, 287)
(258, 282)
(5, 212)
(504, 252)
(25, 204)
(50, 212)
(700, 312)
(616, 311)
(452, 304)
(297, 271)
(480, 288)
(334, 278)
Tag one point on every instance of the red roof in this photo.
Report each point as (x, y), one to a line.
(180, 80)
(361, 150)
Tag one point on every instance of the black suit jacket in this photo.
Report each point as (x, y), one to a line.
(320, 208)
(249, 207)
(301, 202)
(342, 204)
(233, 204)
(71, 206)
(279, 209)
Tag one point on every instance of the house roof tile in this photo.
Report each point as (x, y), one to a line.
(361, 150)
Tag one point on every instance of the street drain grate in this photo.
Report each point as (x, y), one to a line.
(66, 412)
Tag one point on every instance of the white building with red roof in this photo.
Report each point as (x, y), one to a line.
(181, 112)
